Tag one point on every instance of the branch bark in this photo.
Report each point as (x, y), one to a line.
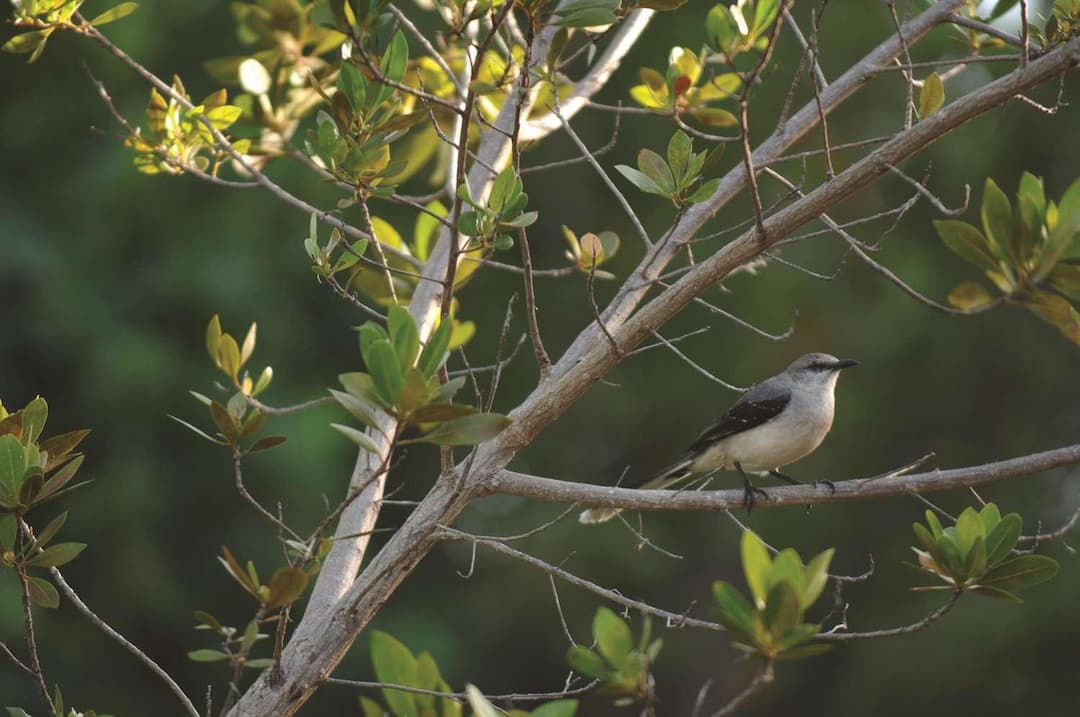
(558, 491)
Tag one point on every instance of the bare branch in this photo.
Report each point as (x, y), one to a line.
(673, 619)
(116, 637)
(892, 632)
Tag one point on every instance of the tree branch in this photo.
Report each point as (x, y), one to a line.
(558, 491)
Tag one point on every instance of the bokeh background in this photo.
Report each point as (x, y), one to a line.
(108, 278)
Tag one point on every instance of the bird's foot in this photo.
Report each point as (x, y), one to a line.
(749, 497)
(828, 483)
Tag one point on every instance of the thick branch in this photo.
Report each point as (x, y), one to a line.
(529, 486)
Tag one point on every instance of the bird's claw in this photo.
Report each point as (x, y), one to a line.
(748, 496)
(829, 483)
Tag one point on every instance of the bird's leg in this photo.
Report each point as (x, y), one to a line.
(793, 481)
(748, 489)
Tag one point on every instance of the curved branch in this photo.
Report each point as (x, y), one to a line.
(557, 491)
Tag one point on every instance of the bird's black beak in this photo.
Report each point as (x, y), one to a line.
(845, 363)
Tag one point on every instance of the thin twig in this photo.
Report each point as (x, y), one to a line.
(116, 637)
(891, 632)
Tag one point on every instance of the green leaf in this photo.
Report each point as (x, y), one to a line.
(32, 43)
(467, 430)
(640, 180)
(782, 611)
(207, 655)
(654, 167)
(394, 664)
(403, 335)
(924, 537)
(43, 593)
(998, 593)
(8, 527)
(59, 447)
(991, 516)
(57, 555)
(1021, 572)
(735, 613)
(352, 84)
(120, 11)
(997, 219)
(704, 192)
(931, 95)
(371, 708)
(385, 371)
(286, 585)
(358, 437)
(12, 462)
(357, 383)
(764, 14)
(440, 412)
(969, 295)
(34, 417)
(934, 524)
(969, 527)
(1002, 539)
(613, 638)
(756, 565)
(62, 477)
(967, 242)
(359, 408)
(583, 660)
(224, 116)
(976, 558)
(817, 574)
(434, 353)
(558, 708)
(678, 156)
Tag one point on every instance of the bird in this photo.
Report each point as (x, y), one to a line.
(774, 423)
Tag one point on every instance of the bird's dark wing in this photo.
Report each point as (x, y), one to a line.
(747, 413)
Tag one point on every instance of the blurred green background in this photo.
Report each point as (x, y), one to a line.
(108, 279)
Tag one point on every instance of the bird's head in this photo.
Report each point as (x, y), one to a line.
(813, 369)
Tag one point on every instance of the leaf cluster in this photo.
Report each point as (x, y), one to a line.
(676, 176)
(47, 16)
(623, 668)
(403, 380)
(238, 418)
(975, 555)
(492, 225)
(591, 250)
(178, 139)
(35, 471)
(782, 589)
(1030, 252)
(1063, 23)
(353, 139)
(285, 586)
(236, 644)
(686, 89)
(741, 27)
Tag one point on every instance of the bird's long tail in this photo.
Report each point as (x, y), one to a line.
(671, 475)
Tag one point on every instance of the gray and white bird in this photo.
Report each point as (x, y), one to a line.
(774, 423)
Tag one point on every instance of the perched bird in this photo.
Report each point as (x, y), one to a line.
(774, 423)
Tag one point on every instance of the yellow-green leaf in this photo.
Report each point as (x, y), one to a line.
(120, 11)
(969, 295)
(931, 96)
